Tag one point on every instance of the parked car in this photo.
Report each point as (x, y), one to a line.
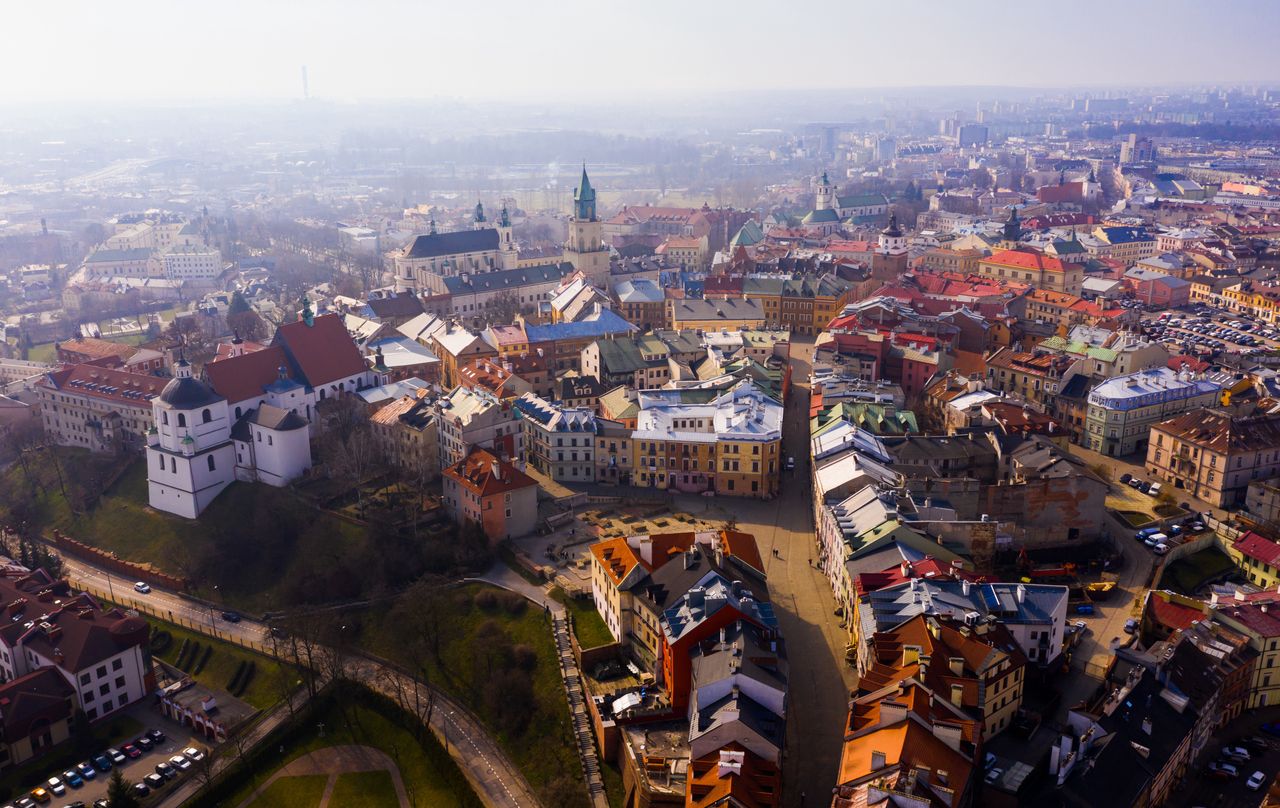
(87, 770)
(1235, 752)
(117, 757)
(154, 780)
(155, 735)
(141, 789)
(194, 753)
(40, 795)
(1154, 490)
(165, 770)
(1255, 744)
(143, 587)
(144, 743)
(1160, 549)
(1256, 781)
(130, 751)
(180, 763)
(1144, 486)
(1084, 608)
(1130, 625)
(102, 763)
(1224, 767)
(1142, 535)
(231, 617)
(72, 778)
(1125, 478)
(56, 786)
(1156, 538)
(993, 775)
(989, 761)
(1134, 482)
(791, 463)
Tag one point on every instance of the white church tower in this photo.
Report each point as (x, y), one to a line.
(190, 456)
(825, 198)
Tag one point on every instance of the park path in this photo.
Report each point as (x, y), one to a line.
(334, 761)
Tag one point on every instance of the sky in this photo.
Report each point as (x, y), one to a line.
(609, 50)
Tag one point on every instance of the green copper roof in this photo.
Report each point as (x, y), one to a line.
(584, 199)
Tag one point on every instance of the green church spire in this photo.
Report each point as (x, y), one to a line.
(584, 199)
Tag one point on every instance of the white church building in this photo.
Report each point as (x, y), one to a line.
(195, 449)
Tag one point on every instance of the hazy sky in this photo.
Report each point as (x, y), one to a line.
(607, 50)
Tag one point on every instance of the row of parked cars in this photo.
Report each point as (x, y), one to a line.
(1158, 538)
(75, 778)
(1236, 757)
(1139, 484)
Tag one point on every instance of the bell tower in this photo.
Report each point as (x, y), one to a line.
(585, 249)
(825, 198)
(508, 256)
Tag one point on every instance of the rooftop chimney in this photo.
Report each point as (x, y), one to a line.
(877, 761)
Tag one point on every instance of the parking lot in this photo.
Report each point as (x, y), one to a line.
(1199, 789)
(1210, 333)
(176, 739)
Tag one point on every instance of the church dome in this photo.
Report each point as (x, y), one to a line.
(186, 392)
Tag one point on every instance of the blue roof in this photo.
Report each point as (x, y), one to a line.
(1146, 387)
(1122, 235)
(602, 324)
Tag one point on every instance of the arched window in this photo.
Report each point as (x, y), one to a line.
(237, 413)
(173, 466)
(161, 459)
(211, 466)
(164, 418)
(182, 419)
(206, 416)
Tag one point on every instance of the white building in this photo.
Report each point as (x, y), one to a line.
(196, 450)
(199, 264)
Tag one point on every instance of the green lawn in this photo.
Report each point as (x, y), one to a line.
(588, 626)
(292, 792)
(470, 667)
(364, 790)
(265, 688)
(42, 353)
(1188, 574)
(427, 784)
(261, 546)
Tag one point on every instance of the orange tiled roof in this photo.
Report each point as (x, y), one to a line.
(1026, 259)
(617, 558)
(753, 785)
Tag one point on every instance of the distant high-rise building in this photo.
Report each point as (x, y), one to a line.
(972, 134)
(1137, 150)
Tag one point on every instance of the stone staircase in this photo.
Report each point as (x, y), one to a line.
(578, 713)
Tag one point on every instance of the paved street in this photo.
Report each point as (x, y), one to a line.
(1198, 790)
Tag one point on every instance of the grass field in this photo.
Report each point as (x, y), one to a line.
(588, 626)
(257, 543)
(264, 689)
(544, 751)
(427, 784)
(292, 792)
(364, 790)
(1188, 574)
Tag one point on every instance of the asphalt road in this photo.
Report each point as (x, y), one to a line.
(493, 776)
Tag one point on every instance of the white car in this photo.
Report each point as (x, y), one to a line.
(1235, 752)
(193, 753)
(180, 762)
(993, 775)
(1160, 549)
(791, 464)
(1256, 781)
(143, 587)
(55, 785)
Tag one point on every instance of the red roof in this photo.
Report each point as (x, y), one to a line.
(484, 474)
(1256, 547)
(225, 349)
(1173, 615)
(1026, 259)
(322, 352)
(108, 384)
(242, 377)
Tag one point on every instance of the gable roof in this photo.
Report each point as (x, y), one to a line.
(484, 474)
(242, 377)
(319, 353)
(108, 384)
(461, 241)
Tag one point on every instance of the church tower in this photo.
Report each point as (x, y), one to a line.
(585, 249)
(825, 199)
(478, 221)
(889, 261)
(1012, 232)
(190, 457)
(508, 255)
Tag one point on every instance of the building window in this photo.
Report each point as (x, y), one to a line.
(211, 466)
(182, 419)
(206, 416)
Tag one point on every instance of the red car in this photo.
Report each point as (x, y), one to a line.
(131, 751)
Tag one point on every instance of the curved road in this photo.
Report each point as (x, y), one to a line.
(495, 779)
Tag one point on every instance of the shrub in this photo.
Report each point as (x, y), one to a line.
(525, 657)
(486, 600)
(204, 658)
(235, 678)
(182, 652)
(247, 678)
(160, 642)
(514, 603)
